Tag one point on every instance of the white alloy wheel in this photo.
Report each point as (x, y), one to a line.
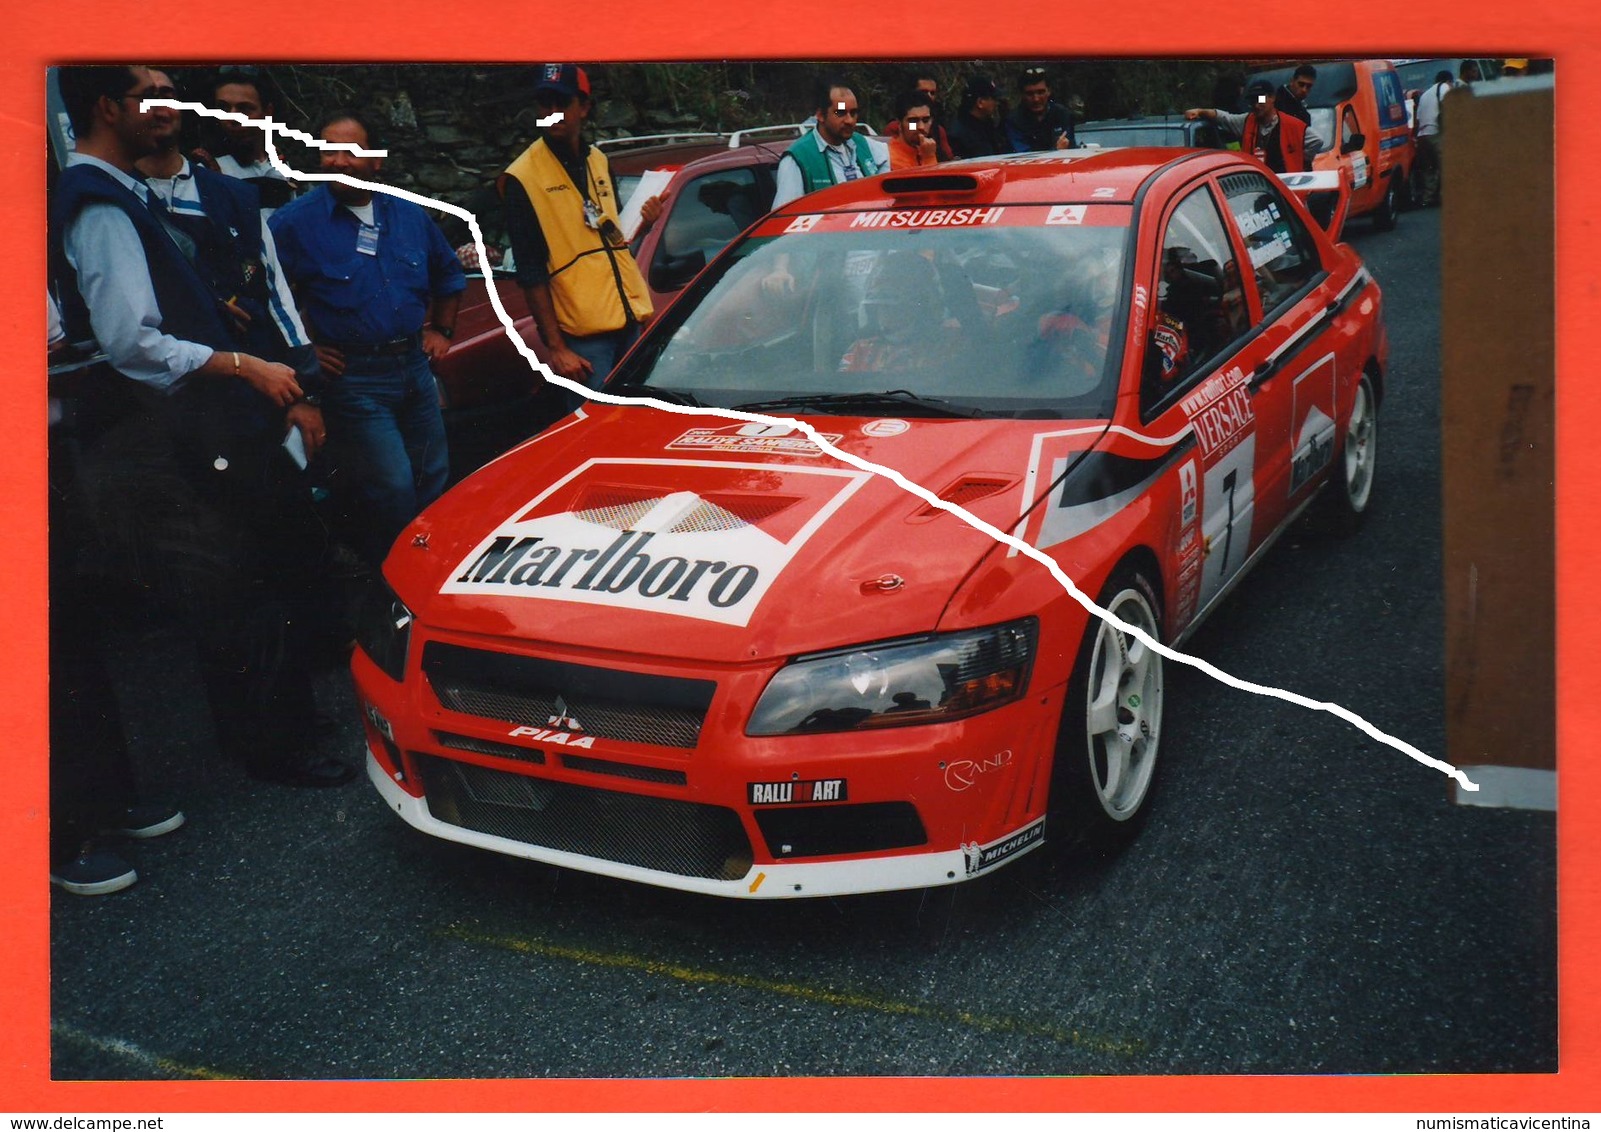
(1123, 707)
(1361, 449)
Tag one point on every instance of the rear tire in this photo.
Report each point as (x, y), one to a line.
(1349, 494)
(1106, 745)
(1389, 210)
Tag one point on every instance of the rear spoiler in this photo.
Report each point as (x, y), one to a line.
(1326, 194)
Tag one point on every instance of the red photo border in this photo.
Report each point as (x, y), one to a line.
(409, 30)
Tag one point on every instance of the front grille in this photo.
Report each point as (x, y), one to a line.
(666, 711)
(624, 770)
(665, 834)
(824, 831)
(489, 747)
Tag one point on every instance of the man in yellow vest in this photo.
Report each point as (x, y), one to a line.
(583, 287)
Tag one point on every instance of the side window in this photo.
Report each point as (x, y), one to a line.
(1282, 253)
(1199, 305)
(1348, 128)
(710, 211)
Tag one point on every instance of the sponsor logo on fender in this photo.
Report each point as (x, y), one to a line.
(795, 793)
(928, 218)
(1313, 448)
(1220, 411)
(963, 773)
(981, 857)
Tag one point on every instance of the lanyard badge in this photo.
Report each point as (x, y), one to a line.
(367, 239)
(591, 215)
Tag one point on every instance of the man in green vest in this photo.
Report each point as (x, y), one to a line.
(583, 287)
(833, 152)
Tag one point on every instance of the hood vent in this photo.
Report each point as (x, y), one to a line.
(968, 489)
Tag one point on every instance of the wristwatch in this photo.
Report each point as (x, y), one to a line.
(445, 332)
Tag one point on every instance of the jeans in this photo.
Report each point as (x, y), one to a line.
(603, 351)
(387, 442)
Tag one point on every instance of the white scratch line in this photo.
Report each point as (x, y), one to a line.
(890, 474)
(127, 1049)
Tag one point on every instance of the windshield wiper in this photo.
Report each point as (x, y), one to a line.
(897, 400)
(662, 393)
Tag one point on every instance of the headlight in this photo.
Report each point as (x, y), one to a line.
(896, 683)
(383, 629)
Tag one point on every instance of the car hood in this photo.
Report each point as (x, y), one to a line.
(637, 529)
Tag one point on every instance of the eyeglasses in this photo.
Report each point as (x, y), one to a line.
(838, 113)
(153, 92)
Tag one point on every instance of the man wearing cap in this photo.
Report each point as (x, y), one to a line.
(1039, 123)
(975, 132)
(582, 285)
(380, 288)
(1279, 140)
(831, 153)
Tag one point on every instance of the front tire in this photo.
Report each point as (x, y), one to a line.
(1106, 746)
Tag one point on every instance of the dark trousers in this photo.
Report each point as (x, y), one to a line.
(191, 500)
(91, 778)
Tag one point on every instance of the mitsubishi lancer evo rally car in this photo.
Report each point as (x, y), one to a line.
(704, 653)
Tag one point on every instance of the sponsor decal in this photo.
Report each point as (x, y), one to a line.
(890, 426)
(708, 548)
(796, 792)
(752, 439)
(963, 773)
(803, 223)
(1270, 251)
(1313, 448)
(1220, 412)
(928, 218)
(554, 738)
(1141, 296)
(981, 857)
(1172, 342)
(1254, 222)
(1314, 408)
(1065, 214)
(1187, 494)
(379, 723)
(1359, 170)
(561, 718)
(1099, 487)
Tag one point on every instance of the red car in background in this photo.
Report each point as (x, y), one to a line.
(699, 651)
(720, 184)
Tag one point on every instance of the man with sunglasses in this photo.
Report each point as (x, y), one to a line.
(181, 461)
(832, 152)
(1291, 97)
(1039, 123)
(582, 285)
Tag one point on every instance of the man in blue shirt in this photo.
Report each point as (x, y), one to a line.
(379, 286)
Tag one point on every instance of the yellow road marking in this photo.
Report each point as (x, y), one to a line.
(143, 1057)
(989, 1023)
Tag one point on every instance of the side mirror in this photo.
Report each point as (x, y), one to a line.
(1354, 143)
(672, 272)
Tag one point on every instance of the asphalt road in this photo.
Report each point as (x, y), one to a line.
(1301, 900)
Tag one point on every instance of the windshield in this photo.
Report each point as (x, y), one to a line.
(1024, 319)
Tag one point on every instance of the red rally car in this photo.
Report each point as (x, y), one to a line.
(703, 653)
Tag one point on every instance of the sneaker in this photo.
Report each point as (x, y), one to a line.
(93, 872)
(148, 819)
